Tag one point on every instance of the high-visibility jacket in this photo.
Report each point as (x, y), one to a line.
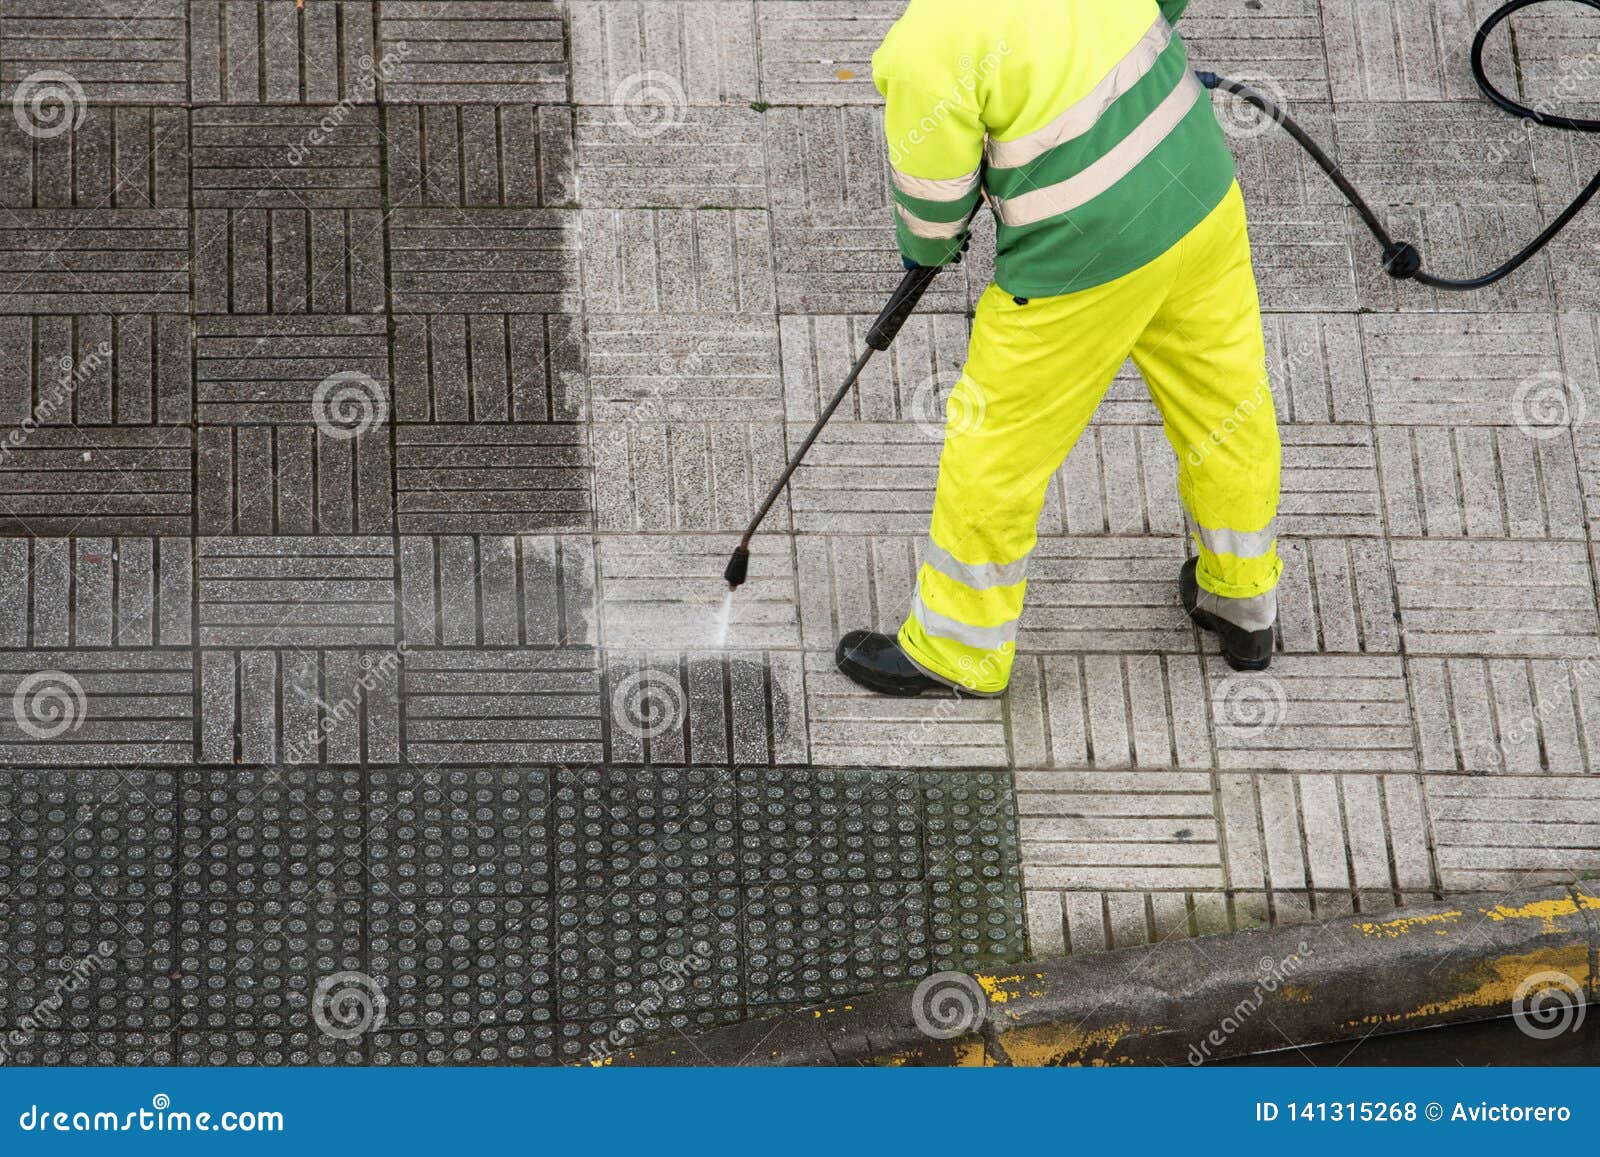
(1080, 121)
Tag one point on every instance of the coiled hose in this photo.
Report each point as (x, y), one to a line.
(1401, 259)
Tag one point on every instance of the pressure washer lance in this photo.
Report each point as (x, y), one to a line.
(1401, 259)
(882, 334)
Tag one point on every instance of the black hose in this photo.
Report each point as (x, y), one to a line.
(1401, 259)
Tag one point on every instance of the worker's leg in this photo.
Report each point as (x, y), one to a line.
(1034, 375)
(1205, 364)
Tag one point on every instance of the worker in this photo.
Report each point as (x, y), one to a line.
(1120, 231)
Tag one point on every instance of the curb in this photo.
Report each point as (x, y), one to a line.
(1190, 1001)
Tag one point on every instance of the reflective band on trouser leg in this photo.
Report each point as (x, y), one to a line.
(1239, 558)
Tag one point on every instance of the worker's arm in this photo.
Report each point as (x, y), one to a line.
(936, 154)
(1172, 9)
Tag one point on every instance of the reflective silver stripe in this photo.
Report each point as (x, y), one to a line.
(1083, 115)
(942, 627)
(931, 230)
(1252, 614)
(929, 189)
(979, 576)
(1239, 543)
(1124, 157)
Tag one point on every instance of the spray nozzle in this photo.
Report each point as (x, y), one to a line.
(738, 568)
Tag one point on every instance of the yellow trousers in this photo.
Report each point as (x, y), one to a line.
(1035, 374)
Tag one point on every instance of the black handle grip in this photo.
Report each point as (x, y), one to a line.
(906, 295)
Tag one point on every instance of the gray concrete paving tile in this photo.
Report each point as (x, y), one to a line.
(843, 487)
(1092, 921)
(1563, 162)
(295, 591)
(1490, 829)
(108, 835)
(840, 261)
(1092, 830)
(116, 157)
(1407, 54)
(850, 581)
(905, 383)
(1494, 598)
(257, 52)
(332, 372)
(683, 367)
(737, 707)
(1108, 711)
(1280, 47)
(298, 1046)
(827, 157)
(293, 480)
(97, 708)
(1458, 241)
(1335, 840)
(456, 835)
(458, 156)
(851, 728)
(1315, 367)
(500, 478)
(473, 51)
(95, 260)
(1105, 594)
(1572, 267)
(1273, 170)
(696, 157)
(482, 261)
(277, 157)
(1456, 369)
(95, 369)
(513, 1044)
(300, 706)
(492, 367)
(1489, 716)
(253, 963)
(497, 590)
(1301, 265)
(98, 481)
(133, 992)
(95, 1048)
(663, 55)
(263, 261)
(1337, 596)
(660, 591)
(1479, 482)
(497, 705)
(119, 51)
(458, 964)
(96, 592)
(819, 52)
(677, 261)
(1312, 713)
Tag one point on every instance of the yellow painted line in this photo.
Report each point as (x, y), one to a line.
(1405, 924)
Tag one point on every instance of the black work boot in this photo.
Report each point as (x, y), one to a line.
(1244, 650)
(877, 663)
